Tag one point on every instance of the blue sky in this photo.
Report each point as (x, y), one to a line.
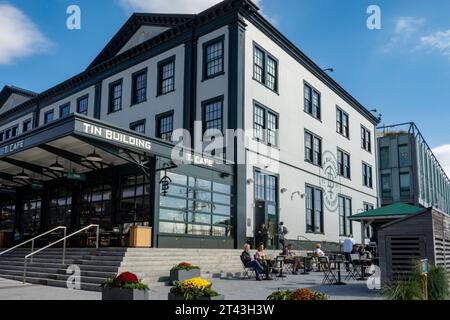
(403, 70)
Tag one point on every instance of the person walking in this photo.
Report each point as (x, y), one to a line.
(348, 245)
(282, 232)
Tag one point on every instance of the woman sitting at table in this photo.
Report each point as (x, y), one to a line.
(291, 259)
(260, 253)
(318, 251)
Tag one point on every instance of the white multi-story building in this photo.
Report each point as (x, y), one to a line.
(227, 68)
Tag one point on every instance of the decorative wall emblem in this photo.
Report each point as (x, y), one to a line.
(165, 184)
(330, 181)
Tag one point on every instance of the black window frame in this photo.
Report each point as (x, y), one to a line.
(161, 65)
(206, 45)
(134, 124)
(386, 165)
(347, 223)
(308, 108)
(341, 154)
(205, 104)
(313, 152)
(340, 127)
(86, 98)
(111, 97)
(405, 192)
(135, 91)
(61, 107)
(158, 119)
(366, 139)
(265, 68)
(311, 213)
(386, 193)
(266, 133)
(46, 114)
(25, 127)
(367, 168)
(14, 131)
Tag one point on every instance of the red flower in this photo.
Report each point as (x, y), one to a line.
(127, 277)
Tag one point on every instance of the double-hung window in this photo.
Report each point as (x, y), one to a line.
(343, 164)
(312, 102)
(115, 96)
(82, 105)
(213, 57)
(164, 126)
(166, 76)
(366, 139)
(64, 110)
(48, 117)
(265, 125)
(313, 149)
(345, 213)
(138, 126)
(213, 115)
(314, 210)
(139, 87)
(342, 123)
(265, 68)
(367, 175)
(27, 126)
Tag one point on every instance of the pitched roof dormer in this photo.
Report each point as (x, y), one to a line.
(139, 28)
(11, 97)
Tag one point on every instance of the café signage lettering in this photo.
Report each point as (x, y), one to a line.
(13, 147)
(199, 160)
(115, 136)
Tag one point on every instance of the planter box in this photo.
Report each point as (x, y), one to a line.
(182, 275)
(175, 297)
(125, 294)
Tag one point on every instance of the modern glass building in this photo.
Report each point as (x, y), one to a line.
(408, 170)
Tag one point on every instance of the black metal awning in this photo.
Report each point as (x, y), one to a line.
(69, 140)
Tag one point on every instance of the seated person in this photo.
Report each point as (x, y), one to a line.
(318, 251)
(260, 253)
(291, 259)
(248, 262)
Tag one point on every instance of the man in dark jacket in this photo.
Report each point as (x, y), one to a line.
(262, 236)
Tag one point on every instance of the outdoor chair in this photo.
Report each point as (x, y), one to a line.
(329, 276)
(277, 266)
(248, 273)
(355, 265)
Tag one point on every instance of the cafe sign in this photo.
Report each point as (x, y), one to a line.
(116, 136)
(12, 147)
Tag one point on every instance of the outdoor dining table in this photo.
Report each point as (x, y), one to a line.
(339, 279)
(363, 262)
(305, 260)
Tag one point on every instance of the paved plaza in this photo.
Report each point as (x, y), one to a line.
(233, 289)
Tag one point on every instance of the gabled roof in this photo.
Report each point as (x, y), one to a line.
(132, 26)
(394, 211)
(7, 91)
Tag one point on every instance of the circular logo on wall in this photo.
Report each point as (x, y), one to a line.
(330, 181)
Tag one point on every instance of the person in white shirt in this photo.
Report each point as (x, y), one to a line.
(318, 252)
(349, 242)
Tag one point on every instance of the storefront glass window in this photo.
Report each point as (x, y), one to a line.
(196, 207)
(96, 206)
(134, 203)
(7, 217)
(32, 217)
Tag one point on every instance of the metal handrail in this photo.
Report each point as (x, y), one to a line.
(64, 247)
(32, 240)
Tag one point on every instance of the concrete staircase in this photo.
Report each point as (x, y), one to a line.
(96, 265)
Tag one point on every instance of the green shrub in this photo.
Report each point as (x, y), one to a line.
(404, 289)
(438, 285)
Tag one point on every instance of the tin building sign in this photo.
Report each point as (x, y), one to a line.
(115, 136)
(12, 147)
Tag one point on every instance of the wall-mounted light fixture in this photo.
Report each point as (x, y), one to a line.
(249, 181)
(284, 190)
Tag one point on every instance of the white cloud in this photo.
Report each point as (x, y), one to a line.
(19, 36)
(404, 30)
(442, 153)
(168, 6)
(438, 41)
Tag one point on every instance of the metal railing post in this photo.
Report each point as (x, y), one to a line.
(64, 246)
(25, 270)
(98, 233)
(32, 249)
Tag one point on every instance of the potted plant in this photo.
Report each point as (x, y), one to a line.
(299, 295)
(194, 289)
(125, 286)
(184, 271)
